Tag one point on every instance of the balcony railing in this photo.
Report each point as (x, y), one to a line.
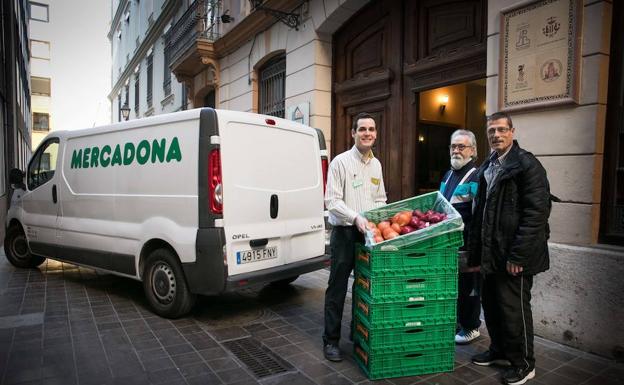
(201, 20)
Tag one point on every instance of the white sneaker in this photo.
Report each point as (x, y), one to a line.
(465, 337)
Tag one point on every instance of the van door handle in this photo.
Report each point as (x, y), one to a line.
(259, 242)
(274, 206)
(54, 198)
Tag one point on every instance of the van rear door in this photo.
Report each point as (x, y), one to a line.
(272, 191)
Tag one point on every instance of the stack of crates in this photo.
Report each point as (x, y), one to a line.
(405, 295)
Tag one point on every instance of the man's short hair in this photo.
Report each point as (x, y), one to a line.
(361, 115)
(471, 138)
(500, 115)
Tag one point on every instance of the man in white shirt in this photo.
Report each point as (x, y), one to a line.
(354, 185)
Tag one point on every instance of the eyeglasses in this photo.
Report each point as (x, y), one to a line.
(499, 129)
(460, 147)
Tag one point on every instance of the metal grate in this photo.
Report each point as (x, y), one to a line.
(273, 87)
(200, 20)
(259, 359)
(150, 75)
(166, 64)
(136, 92)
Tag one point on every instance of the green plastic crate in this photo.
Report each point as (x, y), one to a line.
(384, 339)
(403, 363)
(408, 314)
(431, 201)
(450, 239)
(417, 287)
(405, 261)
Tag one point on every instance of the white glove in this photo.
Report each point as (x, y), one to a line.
(361, 223)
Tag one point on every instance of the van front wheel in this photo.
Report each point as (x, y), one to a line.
(165, 286)
(17, 250)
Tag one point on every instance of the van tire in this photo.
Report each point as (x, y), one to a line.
(165, 285)
(17, 250)
(284, 282)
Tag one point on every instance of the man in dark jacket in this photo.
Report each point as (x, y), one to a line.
(509, 241)
(459, 187)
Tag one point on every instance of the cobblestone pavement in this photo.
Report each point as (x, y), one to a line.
(66, 325)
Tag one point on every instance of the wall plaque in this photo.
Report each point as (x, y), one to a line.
(540, 48)
(300, 113)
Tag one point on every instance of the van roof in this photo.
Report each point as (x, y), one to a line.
(163, 118)
(119, 126)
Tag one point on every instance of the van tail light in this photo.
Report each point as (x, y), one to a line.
(215, 184)
(324, 167)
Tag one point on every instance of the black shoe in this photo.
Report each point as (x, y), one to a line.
(517, 376)
(332, 353)
(488, 358)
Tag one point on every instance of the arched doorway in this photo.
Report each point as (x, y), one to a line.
(385, 56)
(209, 99)
(204, 86)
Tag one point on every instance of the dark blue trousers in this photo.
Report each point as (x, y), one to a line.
(508, 317)
(468, 300)
(343, 240)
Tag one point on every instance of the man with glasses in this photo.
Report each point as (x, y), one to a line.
(459, 187)
(508, 240)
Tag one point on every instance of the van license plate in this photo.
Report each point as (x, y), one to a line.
(247, 256)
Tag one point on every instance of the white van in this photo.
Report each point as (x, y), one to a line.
(195, 202)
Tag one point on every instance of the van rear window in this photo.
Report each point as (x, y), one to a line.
(270, 158)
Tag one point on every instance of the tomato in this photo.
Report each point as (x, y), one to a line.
(383, 225)
(388, 232)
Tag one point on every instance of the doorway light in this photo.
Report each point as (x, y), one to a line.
(443, 101)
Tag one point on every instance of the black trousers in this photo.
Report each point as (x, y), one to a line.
(343, 240)
(507, 309)
(468, 300)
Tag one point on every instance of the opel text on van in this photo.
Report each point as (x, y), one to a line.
(195, 202)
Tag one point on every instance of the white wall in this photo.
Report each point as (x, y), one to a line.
(124, 51)
(560, 136)
(578, 300)
(308, 61)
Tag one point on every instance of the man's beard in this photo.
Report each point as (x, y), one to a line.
(459, 162)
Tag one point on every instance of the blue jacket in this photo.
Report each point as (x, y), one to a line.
(461, 194)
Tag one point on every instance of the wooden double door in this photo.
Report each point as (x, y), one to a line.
(389, 52)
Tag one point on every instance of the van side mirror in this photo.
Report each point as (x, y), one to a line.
(16, 178)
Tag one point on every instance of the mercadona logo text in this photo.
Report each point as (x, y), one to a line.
(143, 152)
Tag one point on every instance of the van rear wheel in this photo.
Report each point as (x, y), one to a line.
(17, 250)
(165, 286)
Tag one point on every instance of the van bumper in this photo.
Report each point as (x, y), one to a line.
(207, 274)
(239, 281)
